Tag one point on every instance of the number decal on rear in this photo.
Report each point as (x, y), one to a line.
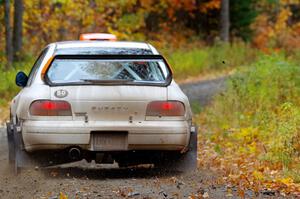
(61, 93)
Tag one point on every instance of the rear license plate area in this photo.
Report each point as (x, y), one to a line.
(109, 141)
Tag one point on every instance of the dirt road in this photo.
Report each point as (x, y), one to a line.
(93, 181)
(203, 91)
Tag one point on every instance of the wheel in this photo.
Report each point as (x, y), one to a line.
(186, 162)
(11, 145)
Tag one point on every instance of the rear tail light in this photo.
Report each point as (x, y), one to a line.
(165, 108)
(50, 108)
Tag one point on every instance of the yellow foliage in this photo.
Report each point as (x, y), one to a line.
(160, 21)
(272, 35)
(286, 181)
(62, 196)
(289, 2)
(281, 23)
(210, 5)
(258, 175)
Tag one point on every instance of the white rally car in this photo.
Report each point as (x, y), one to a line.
(112, 102)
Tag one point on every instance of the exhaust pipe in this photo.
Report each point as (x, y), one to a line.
(74, 153)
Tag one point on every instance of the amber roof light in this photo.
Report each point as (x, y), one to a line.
(97, 37)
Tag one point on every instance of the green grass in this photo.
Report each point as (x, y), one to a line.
(8, 87)
(259, 114)
(196, 107)
(189, 61)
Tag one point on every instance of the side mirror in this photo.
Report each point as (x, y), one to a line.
(21, 79)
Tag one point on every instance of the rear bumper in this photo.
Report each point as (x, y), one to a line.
(146, 135)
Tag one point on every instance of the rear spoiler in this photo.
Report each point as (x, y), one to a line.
(121, 57)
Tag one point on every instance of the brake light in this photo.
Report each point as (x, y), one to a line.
(165, 108)
(50, 108)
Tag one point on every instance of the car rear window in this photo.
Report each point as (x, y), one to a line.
(107, 71)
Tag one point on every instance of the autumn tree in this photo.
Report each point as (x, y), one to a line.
(8, 35)
(18, 27)
(225, 20)
(13, 36)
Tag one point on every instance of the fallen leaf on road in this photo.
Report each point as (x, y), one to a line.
(131, 194)
(205, 195)
(62, 196)
(53, 173)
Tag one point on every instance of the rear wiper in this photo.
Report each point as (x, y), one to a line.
(107, 81)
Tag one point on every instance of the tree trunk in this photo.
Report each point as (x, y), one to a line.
(225, 21)
(18, 27)
(8, 36)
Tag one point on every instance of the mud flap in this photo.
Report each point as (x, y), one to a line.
(23, 159)
(10, 144)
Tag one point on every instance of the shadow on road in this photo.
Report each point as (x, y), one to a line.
(107, 173)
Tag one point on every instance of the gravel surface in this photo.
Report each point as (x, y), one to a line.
(203, 91)
(83, 180)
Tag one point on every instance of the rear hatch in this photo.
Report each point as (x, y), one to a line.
(108, 87)
(110, 103)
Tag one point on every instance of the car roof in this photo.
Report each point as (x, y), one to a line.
(101, 44)
(103, 48)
